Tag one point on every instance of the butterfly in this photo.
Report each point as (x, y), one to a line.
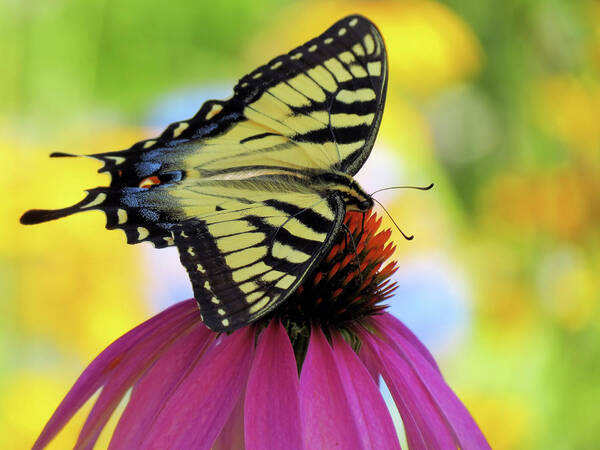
(253, 190)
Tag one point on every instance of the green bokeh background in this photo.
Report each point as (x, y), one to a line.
(496, 102)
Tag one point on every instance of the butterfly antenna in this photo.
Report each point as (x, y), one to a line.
(420, 188)
(349, 233)
(408, 238)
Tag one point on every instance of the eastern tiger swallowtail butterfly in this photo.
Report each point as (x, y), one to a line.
(253, 190)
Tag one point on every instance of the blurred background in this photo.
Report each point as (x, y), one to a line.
(497, 103)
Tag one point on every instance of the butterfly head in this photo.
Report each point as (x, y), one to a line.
(357, 202)
(353, 195)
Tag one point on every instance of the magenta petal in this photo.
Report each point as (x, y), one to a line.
(130, 368)
(425, 428)
(371, 365)
(232, 434)
(396, 328)
(101, 368)
(152, 391)
(370, 412)
(327, 420)
(197, 411)
(272, 411)
(464, 429)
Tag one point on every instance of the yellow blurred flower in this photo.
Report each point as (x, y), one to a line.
(505, 419)
(570, 107)
(554, 206)
(568, 287)
(26, 400)
(558, 202)
(429, 46)
(503, 294)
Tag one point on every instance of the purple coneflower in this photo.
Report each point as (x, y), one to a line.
(306, 377)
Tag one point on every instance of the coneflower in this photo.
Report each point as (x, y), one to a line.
(305, 377)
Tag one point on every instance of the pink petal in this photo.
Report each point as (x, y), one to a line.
(327, 419)
(100, 369)
(195, 414)
(131, 367)
(464, 429)
(396, 328)
(371, 365)
(232, 434)
(152, 391)
(366, 403)
(272, 412)
(425, 428)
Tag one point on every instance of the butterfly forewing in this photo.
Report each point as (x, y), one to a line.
(234, 187)
(327, 95)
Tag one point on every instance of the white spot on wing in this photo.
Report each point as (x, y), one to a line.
(180, 129)
(259, 305)
(214, 110)
(374, 68)
(142, 233)
(97, 201)
(369, 43)
(117, 159)
(121, 216)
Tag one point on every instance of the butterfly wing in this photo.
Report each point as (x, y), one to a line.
(314, 110)
(326, 96)
(249, 258)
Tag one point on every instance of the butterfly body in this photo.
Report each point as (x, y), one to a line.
(253, 190)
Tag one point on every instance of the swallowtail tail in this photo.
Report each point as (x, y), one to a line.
(254, 189)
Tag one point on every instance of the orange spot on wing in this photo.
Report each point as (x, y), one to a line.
(147, 183)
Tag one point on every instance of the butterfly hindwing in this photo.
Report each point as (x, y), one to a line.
(242, 264)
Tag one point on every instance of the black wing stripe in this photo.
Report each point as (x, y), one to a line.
(344, 135)
(258, 136)
(308, 217)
